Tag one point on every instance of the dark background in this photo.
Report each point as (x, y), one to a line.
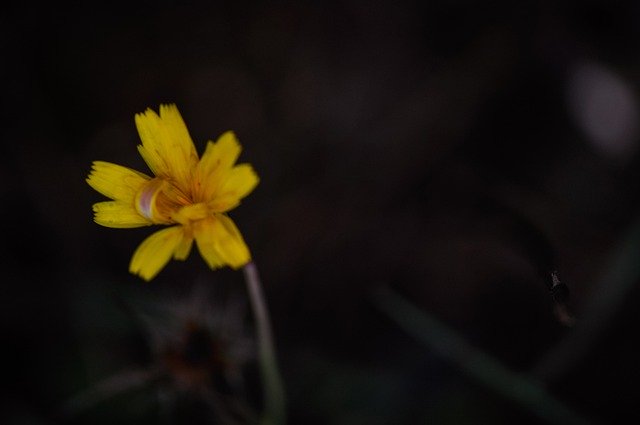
(455, 151)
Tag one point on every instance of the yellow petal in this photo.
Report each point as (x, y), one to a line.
(156, 251)
(183, 249)
(223, 204)
(166, 145)
(115, 181)
(220, 243)
(205, 240)
(232, 246)
(239, 182)
(118, 214)
(215, 164)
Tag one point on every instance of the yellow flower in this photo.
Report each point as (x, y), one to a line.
(188, 193)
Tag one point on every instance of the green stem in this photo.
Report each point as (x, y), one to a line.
(274, 398)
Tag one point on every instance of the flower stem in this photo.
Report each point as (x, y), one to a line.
(273, 389)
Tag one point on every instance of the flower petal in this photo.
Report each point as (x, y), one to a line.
(215, 164)
(240, 181)
(166, 146)
(156, 251)
(233, 247)
(118, 214)
(205, 240)
(220, 243)
(115, 181)
(183, 249)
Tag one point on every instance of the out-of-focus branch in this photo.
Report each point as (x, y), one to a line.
(106, 389)
(622, 273)
(446, 342)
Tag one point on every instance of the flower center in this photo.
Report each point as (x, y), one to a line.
(164, 203)
(189, 213)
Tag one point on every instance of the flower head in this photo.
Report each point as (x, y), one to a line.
(189, 194)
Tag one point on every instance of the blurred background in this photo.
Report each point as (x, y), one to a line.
(454, 152)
